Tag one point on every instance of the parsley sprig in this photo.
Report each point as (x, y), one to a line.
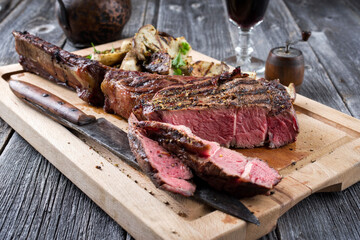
(112, 49)
(99, 52)
(95, 51)
(184, 48)
(178, 61)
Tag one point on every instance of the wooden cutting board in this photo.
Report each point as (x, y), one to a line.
(326, 157)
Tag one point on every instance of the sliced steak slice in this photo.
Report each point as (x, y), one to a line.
(165, 170)
(222, 168)
(53, 63)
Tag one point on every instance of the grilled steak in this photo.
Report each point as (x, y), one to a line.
(165, 170)
(233, 111)
(53, 63)
(126, 91)
(222, 168)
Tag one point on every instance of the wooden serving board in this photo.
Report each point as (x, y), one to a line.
(326, 157)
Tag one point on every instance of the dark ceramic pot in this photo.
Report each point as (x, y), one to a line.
(92, 21)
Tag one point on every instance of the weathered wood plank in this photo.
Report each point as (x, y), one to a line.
(335, 39)
(5, 134)
(6, 6)
(203, 23)
(34, 16)
(354, 5)
(338, 217)
(137, 19)
(37, 201)
(271, 236)
(152, 12)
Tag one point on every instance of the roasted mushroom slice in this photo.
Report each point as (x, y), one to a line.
(130, 62)
(208, 69)
(148, 41)
(291, 91)
(113, 56)
(109, 58)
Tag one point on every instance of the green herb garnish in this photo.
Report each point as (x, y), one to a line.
(95, 51)
(177, 71)
(112, 50)
(89, 56)
(178, 61)
(184, 48)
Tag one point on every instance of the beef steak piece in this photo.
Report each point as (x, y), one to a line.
(165, 170)
(56, 64)
(231, 109)
(223, 169)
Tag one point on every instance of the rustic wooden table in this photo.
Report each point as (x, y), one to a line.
(37, 201)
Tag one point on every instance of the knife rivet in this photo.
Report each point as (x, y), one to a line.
(61, 103)
(45, 95)
(73, 109)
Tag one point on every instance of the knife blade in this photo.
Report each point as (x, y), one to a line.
(116, 141)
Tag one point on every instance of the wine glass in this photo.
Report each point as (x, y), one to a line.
(246, 14)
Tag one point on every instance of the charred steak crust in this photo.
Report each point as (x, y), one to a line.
(223, 169)
(53, 63)
(171, 135)
(127, 91)
(238, 92)
(165, 170)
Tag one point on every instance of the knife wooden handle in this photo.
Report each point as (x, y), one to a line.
(41, 98)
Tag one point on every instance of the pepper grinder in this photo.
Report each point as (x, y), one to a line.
(287, 63)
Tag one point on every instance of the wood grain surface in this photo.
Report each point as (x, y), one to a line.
(38, 201)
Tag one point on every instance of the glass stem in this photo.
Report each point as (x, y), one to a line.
(244, 50)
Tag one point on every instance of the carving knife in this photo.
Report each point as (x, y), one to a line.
(115, 140)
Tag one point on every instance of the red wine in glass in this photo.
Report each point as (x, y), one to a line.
(246, 14)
